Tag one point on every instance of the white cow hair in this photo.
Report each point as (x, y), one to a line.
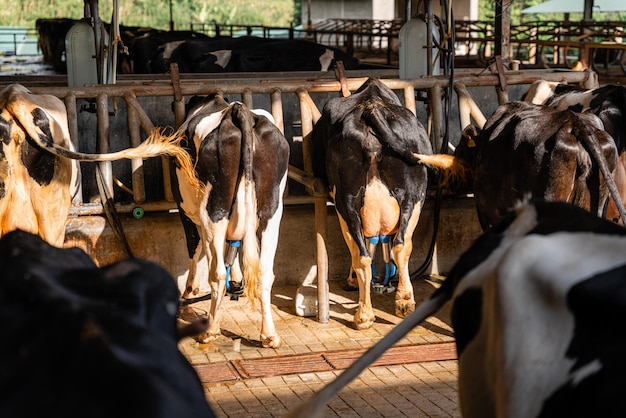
(223, 57)
(326, 59)
(531, 278)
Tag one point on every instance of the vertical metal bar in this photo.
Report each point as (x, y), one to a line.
(148, 127)
(246, 98)
(437, 112)
(102, 144)
(72, 120)
(138, 180)
(321, 251)
(277, 109)
(409, 98)
(307, 129)
(309, 114)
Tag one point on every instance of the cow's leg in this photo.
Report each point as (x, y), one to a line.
(405, 299)
(269, 243)
(364, 316)
(612, 213)
(217, 277)
(192, 288)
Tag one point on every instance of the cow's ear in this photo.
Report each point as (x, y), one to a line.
(470, 133)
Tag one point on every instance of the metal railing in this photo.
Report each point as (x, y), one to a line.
(138, 119)
(18, 41)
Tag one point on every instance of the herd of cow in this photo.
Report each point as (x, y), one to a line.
(537, 299)
(151, 51)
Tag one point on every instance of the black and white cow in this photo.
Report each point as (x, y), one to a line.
(241, 158)
(80, 340)
(249, 54)
(535, 150)
(364, 147)
(538, 308)
(608, 103)
(39, 172)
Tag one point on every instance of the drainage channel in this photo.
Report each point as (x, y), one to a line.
(236, 370)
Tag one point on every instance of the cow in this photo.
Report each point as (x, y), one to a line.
(538, 304)
(149, 49)
(290, 55)
(535, 150)
(241, 159)
(39, 172)
(608, 103)
(364, 148)
(249, 54)
(85, 341)
(203, 55)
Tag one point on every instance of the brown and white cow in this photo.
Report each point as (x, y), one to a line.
(39, 172)
(364, 147)
(241, 158)
(607, 102)
(527, 150)
(539, 329)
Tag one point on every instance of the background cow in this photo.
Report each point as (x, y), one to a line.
(241, 158)
(538, 317)
(534, 150)
(608, 103)
(39, 173)
(363, 146)
(89, 342)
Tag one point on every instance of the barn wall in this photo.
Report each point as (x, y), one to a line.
(159, 237)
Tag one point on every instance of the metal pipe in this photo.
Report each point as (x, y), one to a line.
(276, 99)
(138, 185)
(72, 121)
(102, 141)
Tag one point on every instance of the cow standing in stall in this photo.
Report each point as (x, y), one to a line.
(534, 150)
(608, 103)
(538, 308)
(39, 172)
(364, 147)
(241, 158)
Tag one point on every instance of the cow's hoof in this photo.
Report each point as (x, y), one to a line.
(191, 293)
(404, 307)
(362, 321)
(207, 337)
(271, 342)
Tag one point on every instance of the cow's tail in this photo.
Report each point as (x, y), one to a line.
(314, 406)
(594, 148)
(455, 170)
(157, 144)
(251, 257)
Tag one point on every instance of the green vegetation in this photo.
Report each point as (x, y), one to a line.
(156, 13)
(487, 12)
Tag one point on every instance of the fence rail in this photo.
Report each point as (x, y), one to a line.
(309, 113)
(18, 41)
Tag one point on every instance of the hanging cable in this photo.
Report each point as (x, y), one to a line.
(446, 52)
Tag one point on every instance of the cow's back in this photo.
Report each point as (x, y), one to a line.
(533, 150)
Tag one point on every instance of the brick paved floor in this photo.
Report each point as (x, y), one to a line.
(411, 389)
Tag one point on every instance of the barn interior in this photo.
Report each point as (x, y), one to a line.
(443, 65)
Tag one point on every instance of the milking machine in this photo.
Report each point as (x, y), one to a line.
(382, 285)
(233, 288)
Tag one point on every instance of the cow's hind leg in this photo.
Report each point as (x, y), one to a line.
(217, 279)
(405, 298)
(364, 316)
(269, 243)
